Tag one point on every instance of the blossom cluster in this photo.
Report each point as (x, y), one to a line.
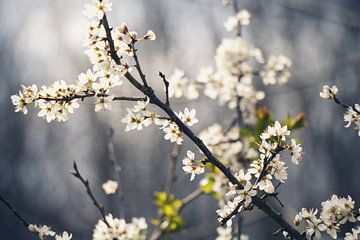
(226, 233)
(224, 144)
(110, 187)
(241, 18)
(192, 166)
(45, 231)
(263, 171)
(352, 114)
(334, 213)
(139, 116)
(118, 229)
(231, 82)
(60, 99)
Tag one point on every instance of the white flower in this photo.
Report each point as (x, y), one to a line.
(266, 185)
(177, 84)
(192, 166)
(150, 35)
(110, 187)
(246, 195)
(329, 93)
(133, 121)
(352, 115)
(19, 102)
(64, 236)
(224, 233)
(314, 229)
(48, 110)
(296, 151)
(188, 117)
(172, 132)
(103, 103)
(243, 17)
(85, 80)
(97, 8)
(43, 231)
(119, 229)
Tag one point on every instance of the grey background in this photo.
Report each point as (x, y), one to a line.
(41, 42)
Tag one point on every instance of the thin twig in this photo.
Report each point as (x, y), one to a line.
(137, 63)
(167, 84)
(86, 183)
(15, 212)
(114, 160)
(190, 198)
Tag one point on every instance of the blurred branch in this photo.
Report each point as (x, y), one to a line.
(190, 198)
(171, 178)
(114, 160)
(15, 212)
(86, 183)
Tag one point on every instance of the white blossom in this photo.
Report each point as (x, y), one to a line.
(329, 92)
(110, 187)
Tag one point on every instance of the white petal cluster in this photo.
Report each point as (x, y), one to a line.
(352, 116)
(227, 145)
(329, 92)
(241, 18)
(139, 117)
(180, 86)
(334, 213)
(258, 177)
(226, 233)
(64, 236)
(231, 82)
(119, 229)
(97, 9)
(43, 231)
(110, 187)
(353, 235)
(188, 117)
(276, 70)
(192, 166)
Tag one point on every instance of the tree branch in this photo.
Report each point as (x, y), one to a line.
(114, 160)
(148, 91)
(166, 83)
(189, 198)
(172, 169)
(15, 212)
(86, 184)
(88, 95)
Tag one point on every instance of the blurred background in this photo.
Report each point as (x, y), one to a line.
(41, 42)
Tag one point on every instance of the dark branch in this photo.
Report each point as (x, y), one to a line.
(166, 83)
(88, 95)
(86, 184)
(267, 162)
(16, 213)
(148, 91)
(137, 63)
